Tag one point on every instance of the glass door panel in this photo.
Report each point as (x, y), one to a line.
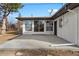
(38, 26)
(49, 25)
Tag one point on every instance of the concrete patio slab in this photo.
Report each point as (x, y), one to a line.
(44, 37)
(37, 42)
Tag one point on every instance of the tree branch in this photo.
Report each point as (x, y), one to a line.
(1, 6)
(8, 13)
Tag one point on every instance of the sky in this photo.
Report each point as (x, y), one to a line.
(35, 9)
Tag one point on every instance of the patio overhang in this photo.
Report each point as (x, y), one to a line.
(34, 18)
(64, 9)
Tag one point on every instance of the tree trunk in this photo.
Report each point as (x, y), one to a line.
(4, 25)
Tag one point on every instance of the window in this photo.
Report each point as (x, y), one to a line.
(28, 25)
(60, 22)
(49, 25)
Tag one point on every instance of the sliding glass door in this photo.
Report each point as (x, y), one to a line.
(38, 26)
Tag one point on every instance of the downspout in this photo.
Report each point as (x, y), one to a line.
(77, 26)
(76, 15)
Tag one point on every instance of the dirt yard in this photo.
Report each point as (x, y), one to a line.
(39, 52)
(6, 37)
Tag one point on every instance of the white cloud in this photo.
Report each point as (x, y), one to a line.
(52, 11)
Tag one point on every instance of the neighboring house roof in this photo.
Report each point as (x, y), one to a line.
(60, 12)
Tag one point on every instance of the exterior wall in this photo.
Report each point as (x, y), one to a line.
(78, 26)
(32, 32)
(70, 26)
(19, 26)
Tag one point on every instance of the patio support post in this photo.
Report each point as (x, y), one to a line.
(44, 25)
(53, 26)
(32, 25)
(23, 26)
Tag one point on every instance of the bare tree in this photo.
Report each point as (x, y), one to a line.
(6, 9)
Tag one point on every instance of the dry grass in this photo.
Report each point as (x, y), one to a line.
(6, 37)
(11, 32)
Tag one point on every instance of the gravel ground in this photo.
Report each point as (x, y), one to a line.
(39, 52)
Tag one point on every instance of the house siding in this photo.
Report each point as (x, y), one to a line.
(70, 26)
